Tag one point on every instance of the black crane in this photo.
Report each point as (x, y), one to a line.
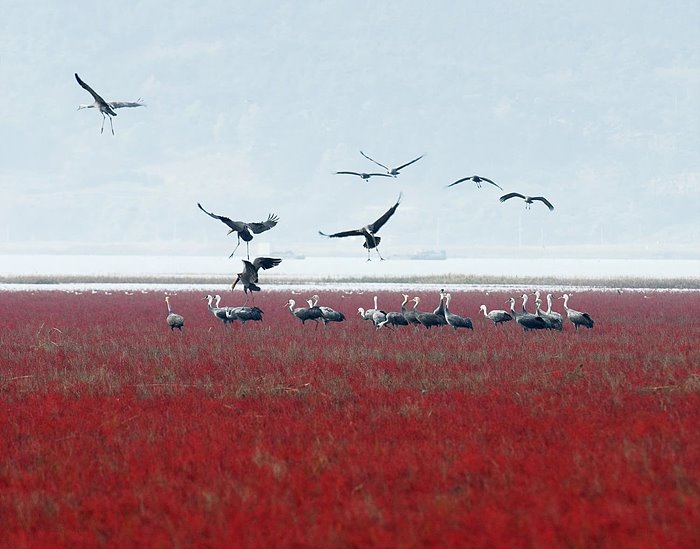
(393, 172)
(369, 231)
(528, 200)
(476, 179)
(244, 230)
(249, 276)
(363, 175)
(106, 108)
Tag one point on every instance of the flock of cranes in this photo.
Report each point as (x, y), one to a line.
(441, 316)
(245, 230)
(406, 316)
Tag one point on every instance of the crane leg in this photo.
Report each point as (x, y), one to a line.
(380, 255)
(247, 250)
(234, 250)
(102, 129)
(111, 125)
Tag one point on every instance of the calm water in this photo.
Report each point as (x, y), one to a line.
(312, 268)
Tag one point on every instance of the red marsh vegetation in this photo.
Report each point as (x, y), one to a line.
(117, 431)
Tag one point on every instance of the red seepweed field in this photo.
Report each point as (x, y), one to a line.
(116, 431)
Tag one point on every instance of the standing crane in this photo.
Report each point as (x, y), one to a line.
(497, 316)
(328, 313)
(174, 320)
(244, 230)
(394, 318)
(369, 231)
(454, 320)
(577, 317)
(304, 313)
(106, 108)
(527, 320)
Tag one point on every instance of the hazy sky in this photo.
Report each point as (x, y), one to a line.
(252, 107)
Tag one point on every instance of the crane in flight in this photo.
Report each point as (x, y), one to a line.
(106, 108)
(249, 275)
(476, 179)
(363, 175)
(243, 229)
(528, 200)
(369, 231)
(393, 172)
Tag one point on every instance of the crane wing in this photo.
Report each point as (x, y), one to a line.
(95, 95)
(266, 262)
(354, 232)
(234, 225)
(543, 199)
(511, 195)
(349, 173)
(492, 182)
(250, 273)
(379, 223)
(373, 160)
(409, 163)
(459, 181)
(263, 226)
(121, 104)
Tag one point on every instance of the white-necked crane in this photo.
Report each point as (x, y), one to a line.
(393, 172)
(454, 320)
(476, 179)
(218, 312)
(552, 313)
(363, 175)
(394, 318)
(329, 314)
(528, 200)
(497, 316)
(430, 319)
(527, 320)
(367, 314)
(249, 275)
(576, 317)
(369, 231)
(174, 320)
(106, 108)
(304, 313)
(553, 319)
(244, 230)
(410, 314)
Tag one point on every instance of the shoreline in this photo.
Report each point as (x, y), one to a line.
(59, 282)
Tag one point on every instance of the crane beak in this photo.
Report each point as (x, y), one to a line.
(230, 231)
(233, 286)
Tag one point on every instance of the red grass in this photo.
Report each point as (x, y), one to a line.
(116, 431)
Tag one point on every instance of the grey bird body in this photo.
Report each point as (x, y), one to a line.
(497, 316)
(244, 230)
(476, 179)
(106, 108)
(577, 318)
(304, 313)
(393, 172)
(249, 275)
(368, 231)
(529, 200)
(527, 320)
(454, 320)
(174, 320)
